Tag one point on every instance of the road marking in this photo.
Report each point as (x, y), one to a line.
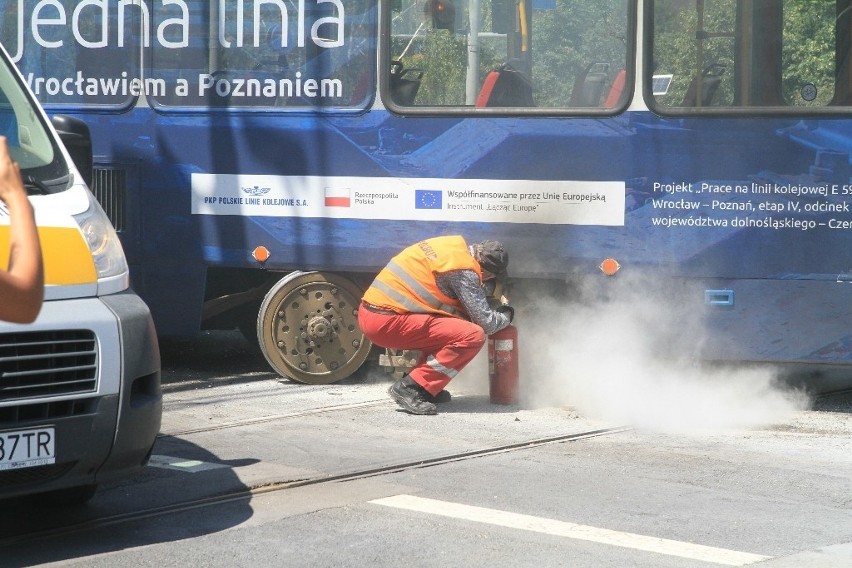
(182, 464)
(571, 530)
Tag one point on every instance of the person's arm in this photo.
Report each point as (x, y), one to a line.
(467, 288)
(22, 285)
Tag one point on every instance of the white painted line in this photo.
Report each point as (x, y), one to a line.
(182, 464)
(571, 530)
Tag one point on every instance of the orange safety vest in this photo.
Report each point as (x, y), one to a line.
(407, 284)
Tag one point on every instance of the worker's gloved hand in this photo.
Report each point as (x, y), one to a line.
(508, 310)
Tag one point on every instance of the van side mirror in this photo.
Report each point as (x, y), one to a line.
(74, 133)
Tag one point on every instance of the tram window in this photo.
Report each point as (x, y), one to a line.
(694, 45)
(724, 54)
(85, 60)
(530, 54)
(196, 53)
(809, 54)
(265, 55)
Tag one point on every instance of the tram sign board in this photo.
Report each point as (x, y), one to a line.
(27, 448)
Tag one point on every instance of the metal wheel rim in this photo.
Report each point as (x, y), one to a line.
(308, 328)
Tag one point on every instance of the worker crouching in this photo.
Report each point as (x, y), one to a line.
(431, 298)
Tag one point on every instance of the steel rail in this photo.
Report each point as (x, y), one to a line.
(274, 417)
(247, 494)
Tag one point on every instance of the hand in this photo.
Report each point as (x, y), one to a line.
(508, 310)
(22, 284)
(11, 186)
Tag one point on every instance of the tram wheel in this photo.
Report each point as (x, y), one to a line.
(308, 330)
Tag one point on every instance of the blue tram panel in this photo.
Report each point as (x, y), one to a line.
(565, 134)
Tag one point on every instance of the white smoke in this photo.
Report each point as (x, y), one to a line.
(628, 361)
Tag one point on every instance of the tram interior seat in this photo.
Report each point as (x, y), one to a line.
(616, 90)
(505, 86)
(710, 80)
(589, 86)
(404, 83)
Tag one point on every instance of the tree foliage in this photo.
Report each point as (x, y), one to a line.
(570, 38)
(808, 58)
(685, 45)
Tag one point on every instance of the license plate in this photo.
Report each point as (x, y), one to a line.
(27, 448)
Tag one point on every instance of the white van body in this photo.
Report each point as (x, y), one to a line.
(80, 398)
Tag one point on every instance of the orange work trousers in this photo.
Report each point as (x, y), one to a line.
(447, 344)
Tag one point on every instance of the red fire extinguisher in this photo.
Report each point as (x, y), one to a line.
(503, 366)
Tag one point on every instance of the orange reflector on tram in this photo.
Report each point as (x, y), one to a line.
(609, 266)
(261, 253)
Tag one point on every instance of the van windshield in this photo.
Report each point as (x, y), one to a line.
(30, 142)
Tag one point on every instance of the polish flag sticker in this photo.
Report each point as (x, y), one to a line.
(337, 197)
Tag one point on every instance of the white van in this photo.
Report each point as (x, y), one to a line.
(80, 398)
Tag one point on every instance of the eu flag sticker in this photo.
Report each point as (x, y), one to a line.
(428, 199)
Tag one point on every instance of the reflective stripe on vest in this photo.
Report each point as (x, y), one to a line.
(407, 282)
(425, 295)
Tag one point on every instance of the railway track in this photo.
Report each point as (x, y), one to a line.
(273, 418)
(245, 494)
(283, 485)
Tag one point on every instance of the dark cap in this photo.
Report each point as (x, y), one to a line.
(491, 256)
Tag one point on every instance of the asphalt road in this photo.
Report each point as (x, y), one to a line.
(254, 470)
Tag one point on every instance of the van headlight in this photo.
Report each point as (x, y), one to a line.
(107, 253)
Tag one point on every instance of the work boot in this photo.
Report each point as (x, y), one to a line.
(440, 398)
(411, 397)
